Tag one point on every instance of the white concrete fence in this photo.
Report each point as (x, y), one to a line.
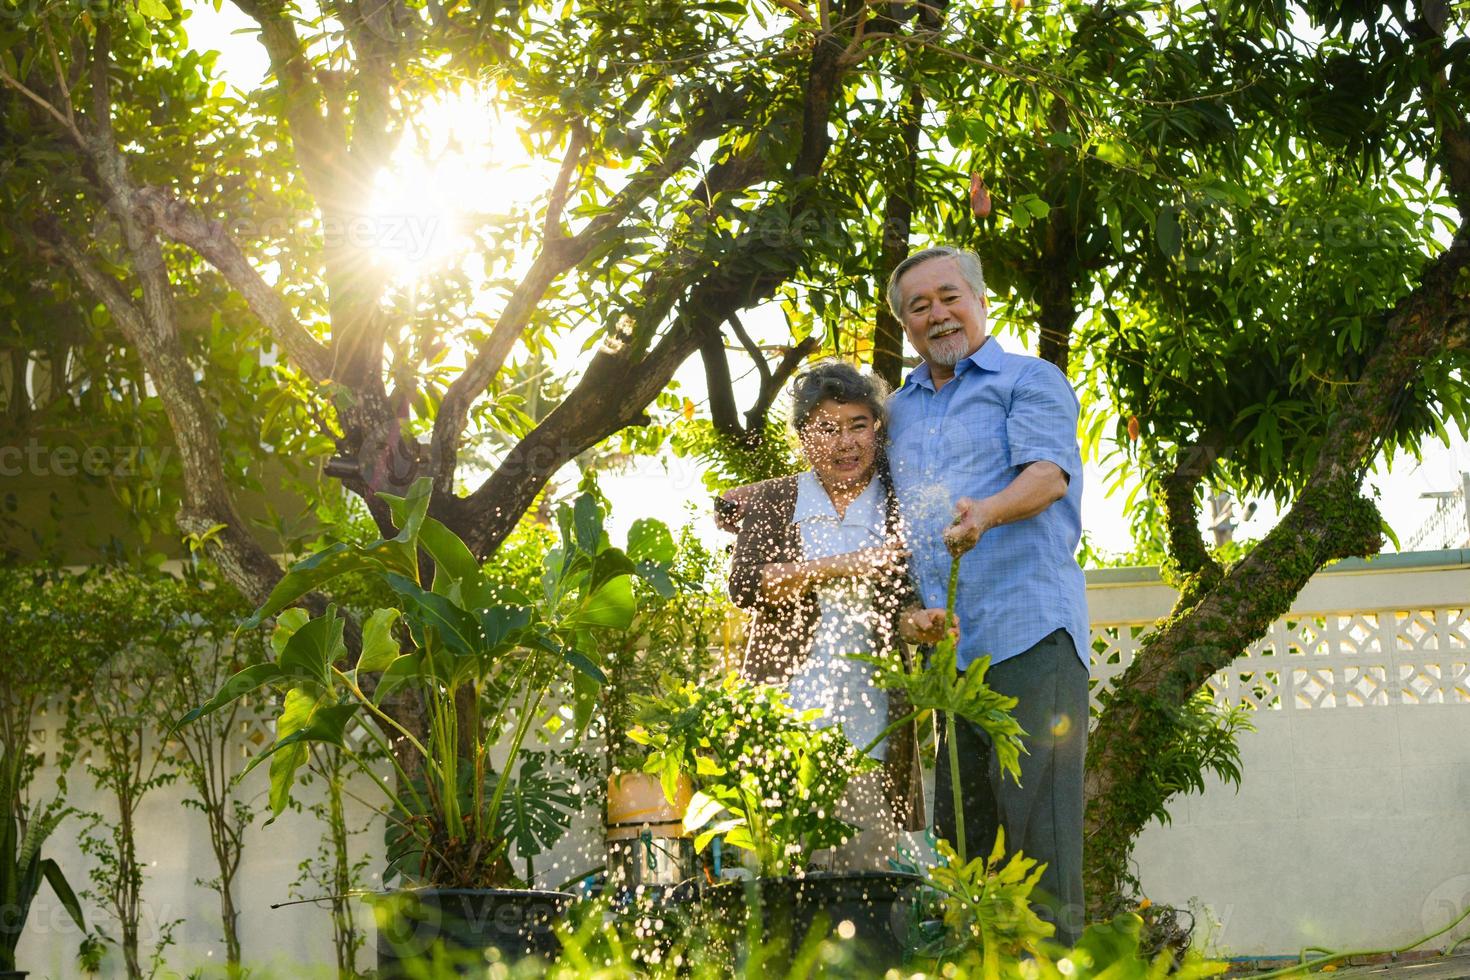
(1351, 827)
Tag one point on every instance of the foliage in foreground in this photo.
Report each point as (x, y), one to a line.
(459, 630)
(776, 777)
(596, 948)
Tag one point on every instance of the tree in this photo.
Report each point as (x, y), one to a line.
(717, 157)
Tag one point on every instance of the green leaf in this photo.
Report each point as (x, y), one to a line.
(701, 810)
(453, 561)
(308, 574)
(649, 540)
(379, 648)
(587, 522)
(401, 671)
(585, 690)
(154, 10)
(295, 715)
(250, 679)
(313, 647)
(51, 871)
(287, 623)
(1166, 231)
(457, 628)
(608, 564)
(611, 606)
(537, 807)
(503, 625)
(657, 575)
(326, 726)
(584, 665)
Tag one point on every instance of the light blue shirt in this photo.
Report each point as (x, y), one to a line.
(970, 439)
(828, 679)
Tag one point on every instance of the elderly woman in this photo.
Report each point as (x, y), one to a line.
(820, 564)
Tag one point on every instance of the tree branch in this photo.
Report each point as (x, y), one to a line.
(721, 388)
(773, 381)
(555, 258)
(208, 510)
(302, 96)
(1178, 494)
(1329, 520)
(67, 124)
(560, 191)
(588, 415)
(751, 348)
(159, 208)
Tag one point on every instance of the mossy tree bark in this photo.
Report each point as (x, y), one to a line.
(1220, 614)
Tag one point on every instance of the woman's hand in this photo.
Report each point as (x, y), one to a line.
(784, 581)
(926, 626)
(879, 560)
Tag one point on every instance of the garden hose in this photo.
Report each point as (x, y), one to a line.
(1306, 966)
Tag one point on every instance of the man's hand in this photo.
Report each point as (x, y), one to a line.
(1035, 488)
(926, 626)
(970, 521)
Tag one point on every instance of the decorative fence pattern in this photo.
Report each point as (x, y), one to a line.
(1390, 637)
(1408, 642)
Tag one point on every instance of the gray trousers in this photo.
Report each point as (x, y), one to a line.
(1042, 816)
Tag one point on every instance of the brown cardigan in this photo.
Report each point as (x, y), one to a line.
(779, 634)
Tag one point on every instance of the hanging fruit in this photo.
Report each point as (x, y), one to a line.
(979, 196)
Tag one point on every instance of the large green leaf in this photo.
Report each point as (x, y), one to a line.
(608, 564)
(379, 648)
(308, 574)
(287, 623)
(537, 807)
(404, 670)
(611, 606)
(325, 725)
(409, 513)
(650, 540)
(51, 871)
(296, 713)
(587, 523)
(453, 561)
(459, 629)
(250, 679)
(313, 648)
(503, 625)
(656, 574)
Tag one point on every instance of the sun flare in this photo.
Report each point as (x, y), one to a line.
(460, 162)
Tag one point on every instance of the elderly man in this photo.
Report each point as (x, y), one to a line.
(983, 450)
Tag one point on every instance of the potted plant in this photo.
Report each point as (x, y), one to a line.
(22, 868)
(770, 784)
(50, 643)
(648, 851)
(482, 659)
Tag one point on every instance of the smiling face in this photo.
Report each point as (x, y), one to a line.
(942, 315)
(840, 442)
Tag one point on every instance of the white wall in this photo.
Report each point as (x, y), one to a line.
(1351, 827)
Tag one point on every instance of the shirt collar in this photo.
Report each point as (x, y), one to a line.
(812, 502)
(987, 358)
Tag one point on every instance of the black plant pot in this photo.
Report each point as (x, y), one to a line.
(471, 925)
(872, 912)
(13, 974)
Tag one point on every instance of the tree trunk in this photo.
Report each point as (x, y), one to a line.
(1330, 520)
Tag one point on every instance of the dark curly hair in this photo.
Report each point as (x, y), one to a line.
(840, 382)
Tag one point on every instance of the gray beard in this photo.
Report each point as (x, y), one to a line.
(949, 352)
